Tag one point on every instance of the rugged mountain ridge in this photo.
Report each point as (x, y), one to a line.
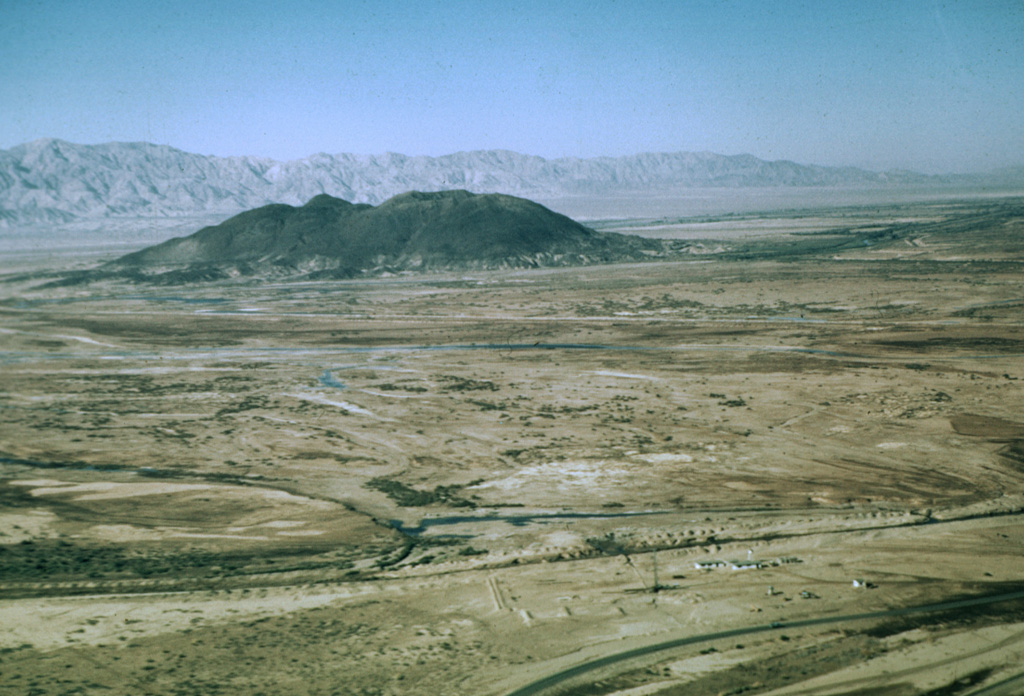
(53, 181)
(334, 238)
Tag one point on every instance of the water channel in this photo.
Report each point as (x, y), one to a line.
(516, 520)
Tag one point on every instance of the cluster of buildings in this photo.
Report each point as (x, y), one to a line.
(748, 564)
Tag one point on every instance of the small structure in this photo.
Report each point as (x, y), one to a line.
(749, 564)
(708, 565)
(745, 565)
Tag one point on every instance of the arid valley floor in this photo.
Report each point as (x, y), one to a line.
(467, 483)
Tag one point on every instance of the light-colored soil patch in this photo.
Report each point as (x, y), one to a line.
(107, 490)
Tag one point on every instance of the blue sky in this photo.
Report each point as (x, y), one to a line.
(926, 85)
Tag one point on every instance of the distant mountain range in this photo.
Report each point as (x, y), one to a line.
(415, 231)
(53, 181)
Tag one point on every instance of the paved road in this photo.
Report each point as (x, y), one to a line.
(542, 685)
(1014, 686)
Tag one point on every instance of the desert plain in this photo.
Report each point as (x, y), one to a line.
(728, 472)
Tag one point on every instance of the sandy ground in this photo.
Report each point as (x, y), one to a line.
(459, 484)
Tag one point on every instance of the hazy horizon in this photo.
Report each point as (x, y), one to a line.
(382, 154)
(929, 87)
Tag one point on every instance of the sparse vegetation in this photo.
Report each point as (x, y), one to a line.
(408, 496)
(514, 458)
(453, 383)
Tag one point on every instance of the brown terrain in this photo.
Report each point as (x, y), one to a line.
(466, 483)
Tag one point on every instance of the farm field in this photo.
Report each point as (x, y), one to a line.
(463, 483)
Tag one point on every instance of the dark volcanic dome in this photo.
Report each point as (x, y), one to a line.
(446, 229)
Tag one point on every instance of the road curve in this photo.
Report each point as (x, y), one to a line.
(542, 685)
